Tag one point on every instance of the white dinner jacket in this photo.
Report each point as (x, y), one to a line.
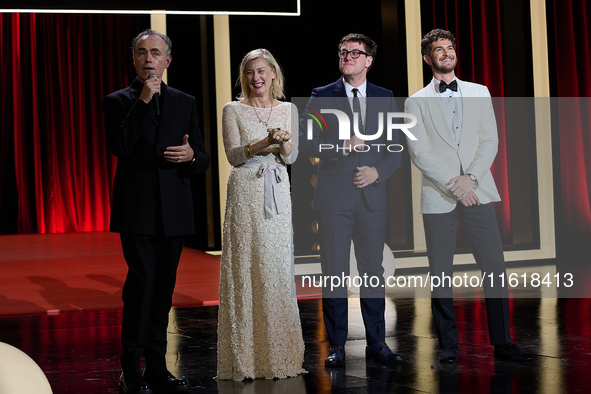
(436, 153)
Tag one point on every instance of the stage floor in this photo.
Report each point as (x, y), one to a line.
(60, 297)
(53, 273)
(78, 351)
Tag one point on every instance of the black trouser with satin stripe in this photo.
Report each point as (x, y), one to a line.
(480, 223)
(147, 298)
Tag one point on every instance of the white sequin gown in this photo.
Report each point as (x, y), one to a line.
(259, 330)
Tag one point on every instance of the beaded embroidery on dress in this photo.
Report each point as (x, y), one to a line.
(259, 329)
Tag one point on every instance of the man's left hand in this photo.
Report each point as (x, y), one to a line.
(365, 176)
(462, 185)
(180, 154)
(469, 199)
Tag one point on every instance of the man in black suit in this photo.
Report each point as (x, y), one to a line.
(350, 193)
(153, 130)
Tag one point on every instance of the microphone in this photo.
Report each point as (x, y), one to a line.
(155, 99)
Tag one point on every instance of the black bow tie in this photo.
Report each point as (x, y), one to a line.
(453, 85)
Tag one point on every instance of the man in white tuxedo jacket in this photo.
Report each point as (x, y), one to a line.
(456, 145)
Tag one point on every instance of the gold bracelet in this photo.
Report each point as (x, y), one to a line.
(248, 152)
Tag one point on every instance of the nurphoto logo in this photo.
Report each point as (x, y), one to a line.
(345, 129)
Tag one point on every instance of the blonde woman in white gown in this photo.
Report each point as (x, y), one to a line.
(259, 330)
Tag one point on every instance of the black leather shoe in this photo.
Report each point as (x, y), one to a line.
(381, 353)
(448, 354)
(336, 357)
(133, 383)
(511, 352)
(165, 382)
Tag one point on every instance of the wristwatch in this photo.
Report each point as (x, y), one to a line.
(473, 178)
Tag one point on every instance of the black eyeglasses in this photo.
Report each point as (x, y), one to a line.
(355, 53)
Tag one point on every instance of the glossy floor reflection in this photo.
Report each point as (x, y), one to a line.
(78, 351)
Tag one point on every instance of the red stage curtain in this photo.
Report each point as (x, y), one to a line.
(476, 24)
(56, 171)
(573, 79)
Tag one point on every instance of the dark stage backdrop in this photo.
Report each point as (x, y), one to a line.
(55, 169)
(569, 29)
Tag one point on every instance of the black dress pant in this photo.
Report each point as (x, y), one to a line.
(367, 230)
(147, 298)
(480, 223)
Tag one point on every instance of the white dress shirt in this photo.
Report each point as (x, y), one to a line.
(452, 107)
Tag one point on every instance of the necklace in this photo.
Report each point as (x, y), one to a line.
(258, 117)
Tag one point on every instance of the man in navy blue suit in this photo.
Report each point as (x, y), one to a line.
(350, 193)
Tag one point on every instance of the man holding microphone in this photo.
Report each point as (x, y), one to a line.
(153, 130)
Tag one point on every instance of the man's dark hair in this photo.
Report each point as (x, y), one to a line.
(433, 36)
(150, 32)
(370, 46)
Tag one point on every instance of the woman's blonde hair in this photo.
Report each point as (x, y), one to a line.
(276, 88)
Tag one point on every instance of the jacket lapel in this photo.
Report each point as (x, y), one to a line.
(470, 107)
(371, 111)
(438, 118)
(168, 110)
(342, 102)
(341, 98)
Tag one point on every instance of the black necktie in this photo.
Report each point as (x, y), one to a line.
(357, 108)
(453, 85)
